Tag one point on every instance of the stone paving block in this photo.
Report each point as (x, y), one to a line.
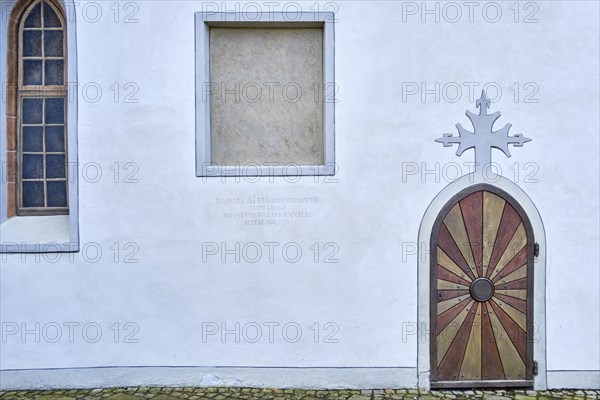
(12, 396)
(122, 396)
(61, 396)
(190, 393)
(360, 397)
(524, 397)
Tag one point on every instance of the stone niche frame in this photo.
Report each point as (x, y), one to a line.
(37, 234)
(203, 22)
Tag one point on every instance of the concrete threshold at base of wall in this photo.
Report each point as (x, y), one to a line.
(292, 378)
(586, 379)
(280, 377)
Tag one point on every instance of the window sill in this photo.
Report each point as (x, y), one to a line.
(39, 234)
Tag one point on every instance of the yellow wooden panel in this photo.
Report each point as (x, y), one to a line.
(492, 215)
(514, 314)
(446, 262)
(445, 305)
(445, 338)
(518, 293)
(514, 367)
(446, 285)
(519, 273)
(516, 244)
(471, 366)
(456, 226)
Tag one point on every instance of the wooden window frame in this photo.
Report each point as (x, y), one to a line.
(16, 92)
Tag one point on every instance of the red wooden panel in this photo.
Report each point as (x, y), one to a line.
(449, 369)
(450, 294)
(447, 244)
(514, 264)
(445, 318)
(472, 211)
(518, 284)
(508, 225)
(446, 275)
(491, 365)
(514, 331)
(519, 304)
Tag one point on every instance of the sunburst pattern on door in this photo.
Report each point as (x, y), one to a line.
(480, 306)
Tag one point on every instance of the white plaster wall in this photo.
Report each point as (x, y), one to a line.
(371, 211)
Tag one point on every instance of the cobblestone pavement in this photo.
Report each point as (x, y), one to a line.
(157, 393)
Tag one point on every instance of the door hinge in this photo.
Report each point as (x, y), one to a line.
(536, 249)
(535, 368)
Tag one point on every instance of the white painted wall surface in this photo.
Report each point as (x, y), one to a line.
(370, 210)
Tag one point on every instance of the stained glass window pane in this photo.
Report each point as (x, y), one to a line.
(43, 159)
(33, 166)
(33, 194)
(55, 166)
(32, 43)
(57, 194)
(51, 20)
(54, 72)
(55, 138)
(33, 138)
(32, 72)
(32, 111)
(55, 111)
(53, 43)
(34, 18)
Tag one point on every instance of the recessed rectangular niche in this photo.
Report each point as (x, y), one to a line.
(265, 94)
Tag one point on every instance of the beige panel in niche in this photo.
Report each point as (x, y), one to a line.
(269, 121)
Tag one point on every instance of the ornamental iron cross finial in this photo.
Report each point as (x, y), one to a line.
(483, 138)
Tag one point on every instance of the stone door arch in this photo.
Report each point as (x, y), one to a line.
(477, 286)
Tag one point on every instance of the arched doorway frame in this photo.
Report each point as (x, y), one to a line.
(539, 283)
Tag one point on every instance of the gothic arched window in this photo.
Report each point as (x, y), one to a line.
(41, 111)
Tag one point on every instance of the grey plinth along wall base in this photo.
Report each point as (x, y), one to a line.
(265, 94)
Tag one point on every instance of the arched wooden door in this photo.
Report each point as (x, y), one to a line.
(482, 292)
